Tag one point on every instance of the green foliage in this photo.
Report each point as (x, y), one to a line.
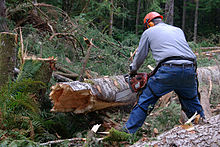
(20, 143)
(19, 110)
(166, 120)
(115, 135)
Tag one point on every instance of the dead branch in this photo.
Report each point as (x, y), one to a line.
(90, 45)
(68, 34)
(209, 48)
(71, 76)
(22, 47)
(131, 57)
(60, 141)
(61, 68)
(61, 78)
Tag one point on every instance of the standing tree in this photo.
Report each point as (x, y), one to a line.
(7, 48)
(111, 18)
(184, 15)
(196, 21)
(137, 16)
(3, 24)
(169, 10)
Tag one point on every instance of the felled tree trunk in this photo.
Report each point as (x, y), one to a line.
(95, 94)
(7, 56)
(202, 135)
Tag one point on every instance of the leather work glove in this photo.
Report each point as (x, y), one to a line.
(132, 73)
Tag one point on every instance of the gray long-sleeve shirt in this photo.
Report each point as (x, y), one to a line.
(164, 41)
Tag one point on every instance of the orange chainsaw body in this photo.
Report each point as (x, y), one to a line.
(137, 82)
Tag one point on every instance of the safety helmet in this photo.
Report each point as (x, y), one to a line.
(149, 17)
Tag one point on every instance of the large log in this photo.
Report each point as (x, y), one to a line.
(207, 134)
(96, 94)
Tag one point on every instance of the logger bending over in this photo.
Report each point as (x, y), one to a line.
(176, 70)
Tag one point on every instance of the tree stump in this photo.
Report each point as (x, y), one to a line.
(7, 56)
(37, 69)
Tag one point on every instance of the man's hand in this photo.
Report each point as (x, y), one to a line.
(132, 73)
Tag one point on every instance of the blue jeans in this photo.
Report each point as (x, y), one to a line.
(180, 79)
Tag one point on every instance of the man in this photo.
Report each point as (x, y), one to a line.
(176, 70)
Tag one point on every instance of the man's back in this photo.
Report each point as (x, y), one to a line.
(166, 40)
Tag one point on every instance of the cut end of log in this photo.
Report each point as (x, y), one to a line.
(65, 99)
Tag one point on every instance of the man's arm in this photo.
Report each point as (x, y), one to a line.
(141, 53)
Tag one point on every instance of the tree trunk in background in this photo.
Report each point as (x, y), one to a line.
(111, 18)
(123, 19)
(67, 5)
(34, 9)
(7, 56)
(196, 21)
(3, 24)
(184, 15)
(169, 11)
(137, 16)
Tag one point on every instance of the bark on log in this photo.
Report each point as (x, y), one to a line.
(7, 56)
(206, 73)
(207, 134)
(96, 94)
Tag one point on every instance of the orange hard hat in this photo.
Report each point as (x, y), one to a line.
(151, 16)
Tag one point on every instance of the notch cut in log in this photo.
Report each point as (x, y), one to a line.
(91, 95)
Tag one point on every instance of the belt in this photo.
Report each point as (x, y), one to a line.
(177, 65)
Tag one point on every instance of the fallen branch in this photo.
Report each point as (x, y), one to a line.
(61, 78)
(61, 68)
(71, 76)
(132, 55)
(63, 140)
(209, 48)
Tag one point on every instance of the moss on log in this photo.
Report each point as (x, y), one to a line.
(7, 56)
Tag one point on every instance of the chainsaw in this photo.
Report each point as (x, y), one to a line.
(136, 82)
